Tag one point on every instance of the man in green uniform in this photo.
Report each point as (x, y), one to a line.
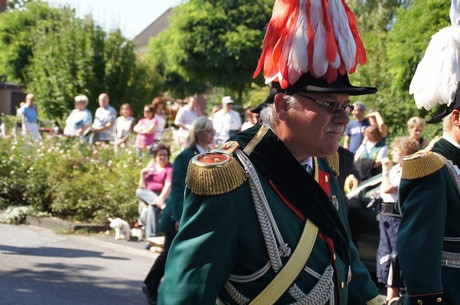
(429, 233)
(264, 220)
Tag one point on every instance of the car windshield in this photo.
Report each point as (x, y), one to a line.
(369, 182)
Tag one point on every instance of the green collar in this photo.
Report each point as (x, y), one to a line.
(448, 150)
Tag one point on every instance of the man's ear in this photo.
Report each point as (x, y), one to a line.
(281, 107)
(456, 118)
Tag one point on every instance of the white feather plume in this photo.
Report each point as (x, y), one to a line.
(336, 63)
(342, 31)
(298, 55)
(455, 12)
(435, 80)
(285, 50)
(320, 62)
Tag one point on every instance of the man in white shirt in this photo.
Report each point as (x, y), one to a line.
(185, 117)
(104, 120)
(226, 122)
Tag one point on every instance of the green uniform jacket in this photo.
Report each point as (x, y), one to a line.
(220, 235)
(175, 203)
(431, 211)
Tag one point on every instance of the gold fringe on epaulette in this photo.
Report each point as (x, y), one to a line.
(419, 167)
(215, 180)
(333, 161)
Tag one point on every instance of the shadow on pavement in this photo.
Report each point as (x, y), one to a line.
(67, 286)
(55, 252)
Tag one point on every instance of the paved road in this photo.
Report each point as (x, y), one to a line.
(40, 267)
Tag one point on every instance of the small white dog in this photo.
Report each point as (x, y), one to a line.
(122, 229)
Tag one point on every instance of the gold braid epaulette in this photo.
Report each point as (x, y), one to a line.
(420, 164)
(214, 173)
(334, 163)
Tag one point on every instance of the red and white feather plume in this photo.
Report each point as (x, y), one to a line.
(435, 80)
(316, 36)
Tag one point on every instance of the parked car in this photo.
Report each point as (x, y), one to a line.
(363, 216)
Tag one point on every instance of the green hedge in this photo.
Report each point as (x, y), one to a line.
(69, 179)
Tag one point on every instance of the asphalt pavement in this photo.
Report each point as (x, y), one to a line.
(42, 266)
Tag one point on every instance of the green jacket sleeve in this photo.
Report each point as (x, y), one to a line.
(203, 253)
(421, 232)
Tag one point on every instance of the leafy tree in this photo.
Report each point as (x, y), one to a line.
(170, 79)
(61, 64)
(58, 56)
(407, 43)
(14, 4)
(214, 41)
(375, 20)
(17, 33)
(424, 17)
(393, 52)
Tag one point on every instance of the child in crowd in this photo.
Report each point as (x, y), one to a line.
(123, 127)
(388, 271)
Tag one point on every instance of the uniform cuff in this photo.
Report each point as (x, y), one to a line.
(427, 299)
(378, 300)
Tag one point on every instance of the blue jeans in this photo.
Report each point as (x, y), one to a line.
(149, 216)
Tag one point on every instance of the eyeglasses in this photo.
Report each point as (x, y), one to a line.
(331, 107)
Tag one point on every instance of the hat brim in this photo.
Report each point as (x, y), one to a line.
(310, 84)
(445, 110)
(342, 85)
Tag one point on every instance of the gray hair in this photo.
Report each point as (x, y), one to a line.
(447, 124)
(268, 114)
(81, 98)
(200, 124)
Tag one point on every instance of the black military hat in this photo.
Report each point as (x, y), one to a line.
(310, 84)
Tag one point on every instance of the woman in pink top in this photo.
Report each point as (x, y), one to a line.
(145, 129)
(154, 189)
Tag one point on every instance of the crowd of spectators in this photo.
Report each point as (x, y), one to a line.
(107, 126)
(365, 138)
(161, 183)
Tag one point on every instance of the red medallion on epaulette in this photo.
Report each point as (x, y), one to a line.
(211, 159)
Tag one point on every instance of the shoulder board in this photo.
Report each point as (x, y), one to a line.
(214, 173)
(420, 164)
(228, 147)
(334, 163)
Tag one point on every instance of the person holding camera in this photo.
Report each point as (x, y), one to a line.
(154, 188)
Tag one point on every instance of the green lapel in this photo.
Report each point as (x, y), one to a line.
(273, 159)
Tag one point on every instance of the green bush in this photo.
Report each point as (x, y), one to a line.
(69, 179)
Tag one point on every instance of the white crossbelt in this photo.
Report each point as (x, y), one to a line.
(451, 259)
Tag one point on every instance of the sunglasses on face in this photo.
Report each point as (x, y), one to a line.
(331, 107)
